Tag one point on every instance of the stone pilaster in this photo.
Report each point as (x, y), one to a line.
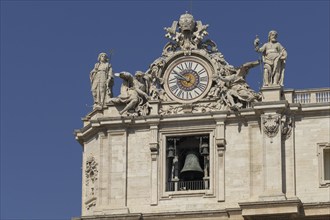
(220, 142)
(273, 148)
(115, 197)
(154, 152)
(272, 157)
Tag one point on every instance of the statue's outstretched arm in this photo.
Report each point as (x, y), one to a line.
(244, 69)
(227, 78)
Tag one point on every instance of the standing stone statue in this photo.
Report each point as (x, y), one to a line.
(273, 57)
(101, 81)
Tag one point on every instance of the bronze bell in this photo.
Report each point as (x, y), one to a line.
(192, 169)
(204, 149)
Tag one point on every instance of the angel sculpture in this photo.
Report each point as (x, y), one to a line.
(134, 93)
(235, 91)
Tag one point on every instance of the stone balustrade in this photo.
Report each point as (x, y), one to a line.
(308, 96)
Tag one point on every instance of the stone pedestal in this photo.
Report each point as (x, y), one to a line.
(271, 93)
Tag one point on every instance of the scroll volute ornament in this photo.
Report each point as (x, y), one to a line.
(286, 126)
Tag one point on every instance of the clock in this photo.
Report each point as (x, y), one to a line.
(187, 79)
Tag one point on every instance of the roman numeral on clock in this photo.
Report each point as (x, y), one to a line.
(201, 86)
(180, 67)
(174, 87)
(196, 66)
(179, 93)
(203, 79)
(173, 80)
(189, 95)
(183, 95)
(201, 71)
(188, 65)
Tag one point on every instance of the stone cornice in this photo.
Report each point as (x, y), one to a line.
(96, 120)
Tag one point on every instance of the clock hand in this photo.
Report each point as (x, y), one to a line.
(179, 76)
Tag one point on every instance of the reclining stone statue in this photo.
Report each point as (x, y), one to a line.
(133, 93)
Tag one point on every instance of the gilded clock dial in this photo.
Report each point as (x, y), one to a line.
(188, 80)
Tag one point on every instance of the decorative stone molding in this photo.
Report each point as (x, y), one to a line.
(193, 108)
(91, 174)
(220, 140)
(90, 203)
(91, 170)
(271, 125)
(286, 126)
(153, 145)
(185, 34)
(323, 163)
(154, 151)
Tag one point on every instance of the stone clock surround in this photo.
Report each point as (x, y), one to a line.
(209, 72)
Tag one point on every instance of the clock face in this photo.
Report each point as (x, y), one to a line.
(187, 79)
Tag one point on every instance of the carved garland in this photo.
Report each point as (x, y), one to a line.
(91, 170)
(91, 174)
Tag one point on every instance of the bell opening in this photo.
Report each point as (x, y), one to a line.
(187, 162)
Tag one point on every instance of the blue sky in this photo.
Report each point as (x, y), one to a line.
(49, 47)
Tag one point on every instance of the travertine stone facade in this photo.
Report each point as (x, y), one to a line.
(252, 174)
(189, 139)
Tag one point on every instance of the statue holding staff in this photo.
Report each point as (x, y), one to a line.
(101, 81)
(273, 56)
